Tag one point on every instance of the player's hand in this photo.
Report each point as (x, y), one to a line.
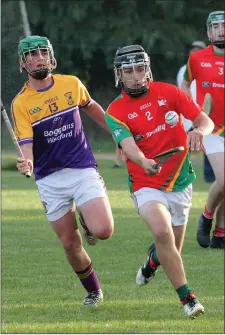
(24, 166)
(194, 140)
(148, 166)
(119, 154)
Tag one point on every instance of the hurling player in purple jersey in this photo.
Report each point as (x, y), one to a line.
(55, 147)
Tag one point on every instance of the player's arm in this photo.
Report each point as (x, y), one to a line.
(203, 123)
(192, 111)
(204, 126)
(124, 139)
(96, 113)
(24, 134)
(25, 165)
(134, 154)
(90, 106)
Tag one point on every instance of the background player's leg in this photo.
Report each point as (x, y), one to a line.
(209, 176)
(218, 239)
(215, 196)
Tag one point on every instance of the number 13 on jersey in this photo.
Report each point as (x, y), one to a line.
(53, 107)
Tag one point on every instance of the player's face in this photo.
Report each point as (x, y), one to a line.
(133, 77)
(216, 32)
(37, 59)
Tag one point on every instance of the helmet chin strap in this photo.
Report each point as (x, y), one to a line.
(40, 74)
(43, 73)
(219, 44)
(136, 92)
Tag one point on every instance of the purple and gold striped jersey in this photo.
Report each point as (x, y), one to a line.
(50, 119)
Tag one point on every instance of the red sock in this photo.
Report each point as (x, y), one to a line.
(208, 214)
(219, 232)
(152, 263)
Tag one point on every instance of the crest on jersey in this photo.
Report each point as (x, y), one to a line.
(117, 132)
(161, 102)
(69, 98)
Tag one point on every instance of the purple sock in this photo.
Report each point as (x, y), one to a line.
(89, 279)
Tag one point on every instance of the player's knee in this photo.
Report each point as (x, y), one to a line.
(71, 242)
(220, 185)
(162, 234)
(104, 232)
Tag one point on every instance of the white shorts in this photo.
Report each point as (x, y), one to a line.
(60, 189)
(177, 203)
(213, 143)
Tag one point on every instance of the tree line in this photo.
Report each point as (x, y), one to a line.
(86, 33)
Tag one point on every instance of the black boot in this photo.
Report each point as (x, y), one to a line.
(203, 233)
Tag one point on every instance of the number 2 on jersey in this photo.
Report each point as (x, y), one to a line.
(148, 115)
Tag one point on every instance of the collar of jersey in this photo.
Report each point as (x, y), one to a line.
(41, 89)
(216, 53)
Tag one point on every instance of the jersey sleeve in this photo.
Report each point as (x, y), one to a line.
(187, 106)
(118, 129)
(84, 97)
(22, 125)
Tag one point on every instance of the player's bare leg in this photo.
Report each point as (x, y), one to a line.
(69, 235)
(215, 196)
(148, 270)
(179, 234)
(97, 216)
(87, 234)
(155, 215)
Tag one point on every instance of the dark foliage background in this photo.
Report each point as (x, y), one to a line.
(86, 33)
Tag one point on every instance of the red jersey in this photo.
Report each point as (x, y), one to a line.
(143, 118)
(207, 68)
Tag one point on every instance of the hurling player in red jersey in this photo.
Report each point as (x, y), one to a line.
(162, 196)
(207, 68)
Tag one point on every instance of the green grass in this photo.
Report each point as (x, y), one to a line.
(40, 293)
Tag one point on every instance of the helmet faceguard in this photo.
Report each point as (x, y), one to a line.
(216, 17)
(40, 45)
(131, 57)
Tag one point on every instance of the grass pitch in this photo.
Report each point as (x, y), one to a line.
(41, 294)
